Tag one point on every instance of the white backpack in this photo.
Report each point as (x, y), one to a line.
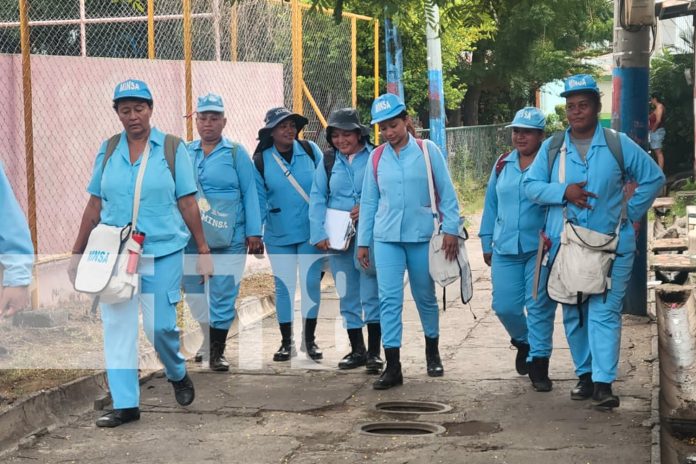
(442, 270)
(584, 261)
(102, 268)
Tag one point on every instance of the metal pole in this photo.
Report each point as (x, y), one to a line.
(151, 29)
(376, 68)
(393, 53)
(187, 69)
(630, 115)
(216, 28)
(313, 104)
(83, 29)
(354, 61)
(435, 85)
(297, 73)
(29, 137)
(693, 82)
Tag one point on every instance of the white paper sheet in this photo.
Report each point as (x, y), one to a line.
(339, 228)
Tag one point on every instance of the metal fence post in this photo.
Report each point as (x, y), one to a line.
(376, 66)
(354, 61)
(151, 29)
(297, 73)
(29, 138)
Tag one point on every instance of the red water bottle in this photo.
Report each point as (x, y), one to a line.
(134, 257)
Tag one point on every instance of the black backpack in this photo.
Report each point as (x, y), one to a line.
(329, 161)
(613, 142)
(171, 143)
(258, 157)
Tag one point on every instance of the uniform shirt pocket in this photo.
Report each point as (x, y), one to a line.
(174, 296)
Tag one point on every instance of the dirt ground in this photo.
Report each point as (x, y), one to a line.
(33, 359)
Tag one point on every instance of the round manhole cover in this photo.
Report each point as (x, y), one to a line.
(412, 407)
(401, 428)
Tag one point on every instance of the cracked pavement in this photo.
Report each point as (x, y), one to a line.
(303, 412)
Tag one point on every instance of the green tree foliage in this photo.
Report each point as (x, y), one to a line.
(668, 81)
(514, 47)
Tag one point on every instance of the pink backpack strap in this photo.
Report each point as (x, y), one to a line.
(500, 164)
(375, 160)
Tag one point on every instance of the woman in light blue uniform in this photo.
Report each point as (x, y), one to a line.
(284, 172)
(509, 234)
(395, 211)
(338, 184)
(593, 197)
(167, 212)
(229, 207)
(16, 252)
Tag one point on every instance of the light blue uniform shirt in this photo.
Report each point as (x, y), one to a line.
(398, 210)
(219, 179)
(284, 212)
(603, 176)
(16, 249)
(159, 216)
(511, 222)
(346, 187)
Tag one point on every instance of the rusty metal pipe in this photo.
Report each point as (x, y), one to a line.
(676, 325)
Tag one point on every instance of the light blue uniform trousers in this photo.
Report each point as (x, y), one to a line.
(285, 262)
(394, 258)
(359, 300)
(160, 284)
(595, 346)
(215, 305)
(513, 277)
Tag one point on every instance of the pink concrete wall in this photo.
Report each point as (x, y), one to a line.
(73, 114)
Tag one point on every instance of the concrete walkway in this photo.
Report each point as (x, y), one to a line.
(302, 412)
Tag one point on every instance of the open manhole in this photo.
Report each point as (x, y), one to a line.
(400, 428)
(412, 407)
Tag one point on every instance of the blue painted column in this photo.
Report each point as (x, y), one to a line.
(435, 84)
(629, 114)
(394, 58)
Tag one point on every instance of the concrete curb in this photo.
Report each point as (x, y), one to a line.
(44, 411)
(655, 457)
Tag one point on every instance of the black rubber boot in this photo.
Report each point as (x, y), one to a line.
(308, 344)
(218, 341)
(374, 363)
(603, 397)
(432, 357)
(358, 355)
(584, 388)
(203, 351)
(183, 390)
(287, 347)
(391, 377)
(539, 374)
(118, 417)
(521, 359)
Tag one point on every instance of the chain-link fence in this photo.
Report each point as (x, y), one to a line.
(473, 150)
(55, 108)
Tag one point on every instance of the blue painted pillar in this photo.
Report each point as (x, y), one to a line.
(629, 114)
(394, 58)
(435, 84)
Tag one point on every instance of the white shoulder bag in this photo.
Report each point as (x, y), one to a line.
(442, 270)
(583, 264)
(102, 268)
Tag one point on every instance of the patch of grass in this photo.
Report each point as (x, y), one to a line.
(257, 285)
(469, 184)
(18, 383)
